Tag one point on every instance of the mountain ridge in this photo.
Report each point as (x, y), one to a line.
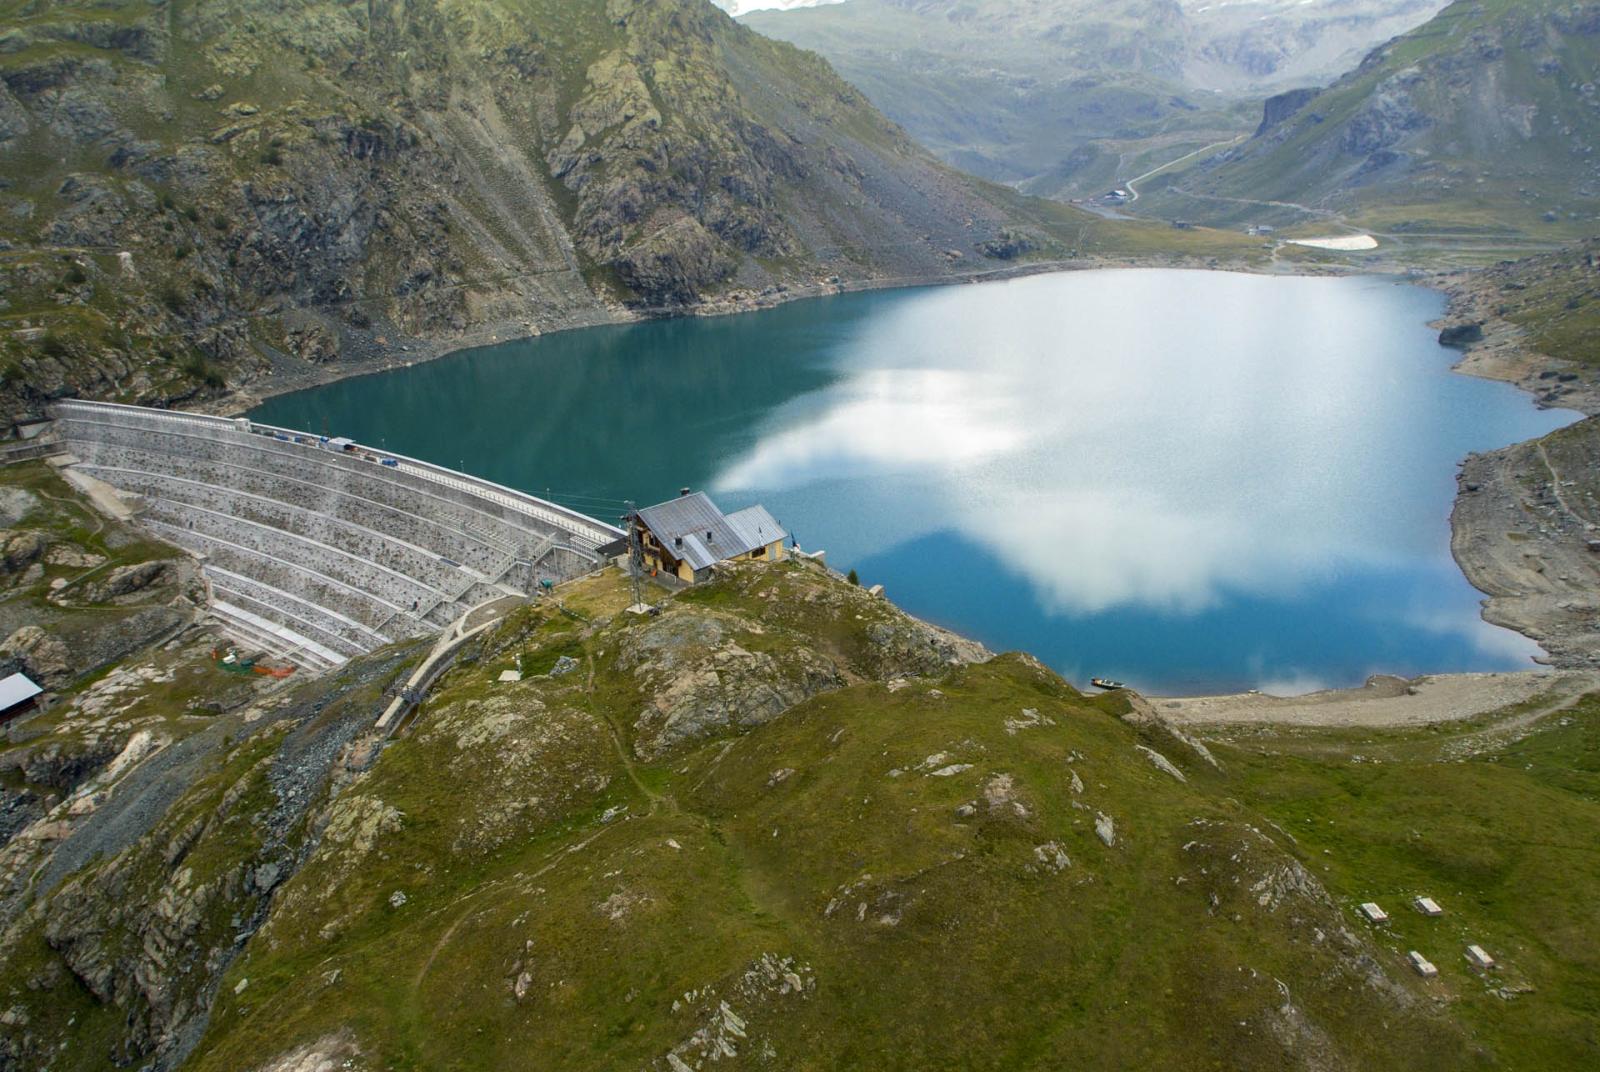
(1483, 120)
(1068, 97)
(297, 187)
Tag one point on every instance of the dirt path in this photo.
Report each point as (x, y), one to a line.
(1555, 484)
(1132, 184)
(1506, 731)
(1390, 701)
(104, 497)
(657, 801)
(1307, 209)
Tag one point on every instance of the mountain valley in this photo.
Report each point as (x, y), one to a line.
(770, 819)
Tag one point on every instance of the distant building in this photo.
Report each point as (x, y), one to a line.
(686, 536)
(18, 696)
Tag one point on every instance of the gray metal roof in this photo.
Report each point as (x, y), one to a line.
(694, 551)
(16, 689)
(756, 527)
(708, 535)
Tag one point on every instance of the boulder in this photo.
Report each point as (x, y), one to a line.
(1105, 828)
(1161, 763)
(1461, 336)
(19, 550)
(1008, 245)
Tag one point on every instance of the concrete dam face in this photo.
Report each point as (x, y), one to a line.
(319, 549)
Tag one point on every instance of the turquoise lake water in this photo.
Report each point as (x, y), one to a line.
(1192, 481)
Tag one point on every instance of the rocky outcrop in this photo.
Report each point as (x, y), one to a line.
(152, 923)
(332, 1053)
(1388, 115)
(1009, 245)
(19, 550)
(907, 647)
(1281, 107)
(127, 928)
(702, 671)
(125, 581)
(698, 679)
(42, 657)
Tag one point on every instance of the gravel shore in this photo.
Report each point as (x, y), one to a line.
(1386, 701)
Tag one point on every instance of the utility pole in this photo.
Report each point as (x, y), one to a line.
(635, 553)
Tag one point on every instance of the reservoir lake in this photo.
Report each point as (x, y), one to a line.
(1191, 481)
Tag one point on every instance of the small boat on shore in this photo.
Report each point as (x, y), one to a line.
(1106, 683)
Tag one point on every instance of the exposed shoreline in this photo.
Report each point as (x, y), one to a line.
(1387, 702)
(374, 355)
(1520, 526)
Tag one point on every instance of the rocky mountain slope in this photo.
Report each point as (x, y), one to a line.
(1484, 120)
(1068, 97)
(778, 825)
(207, 192)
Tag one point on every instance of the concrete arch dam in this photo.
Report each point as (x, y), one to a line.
(319, 549)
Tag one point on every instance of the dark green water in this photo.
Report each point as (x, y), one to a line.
(1188, 480)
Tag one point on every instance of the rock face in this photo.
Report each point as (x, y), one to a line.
(1485, 107)
(1281, 107)
(543, 167)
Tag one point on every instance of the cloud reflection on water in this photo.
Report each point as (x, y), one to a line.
(1154, 440)
(1187, 480)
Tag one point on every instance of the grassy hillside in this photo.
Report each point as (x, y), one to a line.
(1556, 300)
(1490, 818)
(781, 825)
(1480, 125)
